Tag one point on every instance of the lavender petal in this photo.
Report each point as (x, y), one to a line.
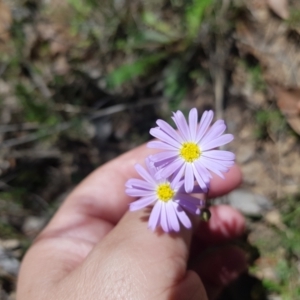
(163, 156)
(159, 145)
(213, 167)
(197, 190)
(204, 124)
(190, 207)
(181, 124)
(217, 164)
(226, 164)
(141, 203)
(205, 174)
(155, 215)
(182, 216)
(138, 183)
(144, 174)
(193, 200)
(151, 167)
(175, 182)
(193, 119)
(216, 130)
(189, 178)
(200, 180)
(171, 168)
(164, 221)
(172, 217)
(133, 192)
(164, 162)
(169, 130)
(161, 135)
(219, 154)
(220, 141)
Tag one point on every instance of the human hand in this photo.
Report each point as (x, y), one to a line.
(93, 248)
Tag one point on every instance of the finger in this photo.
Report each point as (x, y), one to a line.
(191, 287)
(135, 257)
(225, 224)
(220, 267)
(219, 186)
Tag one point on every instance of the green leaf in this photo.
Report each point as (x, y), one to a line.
(150, 35)
(33, 110)
(175, 84)
(271, 286)
(82, 6)
(194, 15)
(151, 20)
(128, 72)
(145, 39)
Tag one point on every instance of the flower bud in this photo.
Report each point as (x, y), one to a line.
(205, 214)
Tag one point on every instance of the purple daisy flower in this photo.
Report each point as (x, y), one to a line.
(169, 199)
(190, 151)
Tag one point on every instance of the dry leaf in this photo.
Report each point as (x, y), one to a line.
(5, 21)
(294, 122)
(57, 36)
(259, 9)
(273, 217)
(31, 38)
(280, 8)
(59, 12)
(288, 102)
(61, 65)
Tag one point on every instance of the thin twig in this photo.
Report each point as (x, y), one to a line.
(39, 83)
(19, 127)
(121, 107)
(219, 86)
(3, 69)
(32, 153)
(35, 136)
(69, 108)
(108, 111)
(225, 6)
(41, 201)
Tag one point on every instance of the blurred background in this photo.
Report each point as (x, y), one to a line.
(82, 81)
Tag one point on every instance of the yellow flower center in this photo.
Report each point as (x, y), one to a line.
(164, 192)
(190, 151)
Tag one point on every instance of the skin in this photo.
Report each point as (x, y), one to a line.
(94, 248)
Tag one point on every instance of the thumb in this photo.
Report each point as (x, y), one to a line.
(136, 263)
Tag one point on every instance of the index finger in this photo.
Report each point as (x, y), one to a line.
(102, 194)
